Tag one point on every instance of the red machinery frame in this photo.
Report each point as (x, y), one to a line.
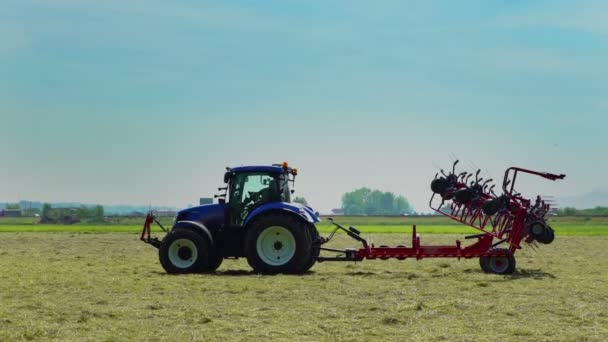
(508, 226)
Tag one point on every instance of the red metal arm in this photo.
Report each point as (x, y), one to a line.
(546, 175)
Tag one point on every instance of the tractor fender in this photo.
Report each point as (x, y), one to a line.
(295, 208)
(197, 227)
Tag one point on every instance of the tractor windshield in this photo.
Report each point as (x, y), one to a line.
(251, 190)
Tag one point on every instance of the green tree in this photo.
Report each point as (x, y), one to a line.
(365, 201)
(13, 206)
(46, 210)
(354, 202)
(31, 212)
(570, 211)
(98, 214)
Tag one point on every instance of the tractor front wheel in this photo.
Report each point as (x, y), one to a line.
(184, 251)
(278, 243)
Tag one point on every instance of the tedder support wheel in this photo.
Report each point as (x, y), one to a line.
(278, 243)
(498, 264)
(483, 262)
(184, 251)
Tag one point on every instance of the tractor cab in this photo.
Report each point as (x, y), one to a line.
(251, 187)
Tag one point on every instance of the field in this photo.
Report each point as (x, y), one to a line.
(110, 287)
(579, 226)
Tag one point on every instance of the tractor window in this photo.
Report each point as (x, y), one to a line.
(284, 188)
(250, 190)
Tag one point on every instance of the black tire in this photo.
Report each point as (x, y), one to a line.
(275, 236)
(215, 260)
(541, 232)
(500, 264)
(483, 262)
(315, 240)
(491, 207)
(384, 257)
(184, 251)
(401, 258)
(537, 230)
(463, 196)
(547, 237)
(440, 185)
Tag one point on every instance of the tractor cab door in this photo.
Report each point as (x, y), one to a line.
(249, 191)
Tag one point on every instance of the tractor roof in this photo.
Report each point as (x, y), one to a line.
(265, 169)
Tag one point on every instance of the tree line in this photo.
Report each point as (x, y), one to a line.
(570, 211)
(365, 201)
(92, 214)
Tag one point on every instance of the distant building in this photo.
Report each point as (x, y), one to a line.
(337, 211)
(10, 213)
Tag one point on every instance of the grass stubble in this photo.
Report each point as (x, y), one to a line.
(110, 287)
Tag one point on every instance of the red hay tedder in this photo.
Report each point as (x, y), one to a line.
(504, 220)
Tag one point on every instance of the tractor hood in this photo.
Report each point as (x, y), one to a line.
(210, 215)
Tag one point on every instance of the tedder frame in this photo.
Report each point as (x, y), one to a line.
(504, 220)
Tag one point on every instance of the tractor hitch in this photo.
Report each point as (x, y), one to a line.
(147, 230)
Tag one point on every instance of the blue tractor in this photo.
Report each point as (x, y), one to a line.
(255, 218)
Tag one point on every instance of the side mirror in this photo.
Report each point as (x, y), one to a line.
(227, 176)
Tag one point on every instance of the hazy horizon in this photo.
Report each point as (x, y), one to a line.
(588, 200)
(147, 102)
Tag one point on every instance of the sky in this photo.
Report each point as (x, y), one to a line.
(146, 102)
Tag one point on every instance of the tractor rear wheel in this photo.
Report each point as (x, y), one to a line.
(315, 240)
(278, 243)
(184, 251)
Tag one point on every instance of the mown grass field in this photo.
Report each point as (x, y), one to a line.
(110, 287)
(564, 226)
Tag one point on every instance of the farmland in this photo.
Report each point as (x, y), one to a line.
(74, 285)
(579, 226)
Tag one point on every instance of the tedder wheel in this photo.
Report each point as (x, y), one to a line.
(278, 243)
(384, 257)
(184, 251)
(537, 230)
(498, 264)
(401, 257)
(550, 235)
(547, 236)
(483, 262)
